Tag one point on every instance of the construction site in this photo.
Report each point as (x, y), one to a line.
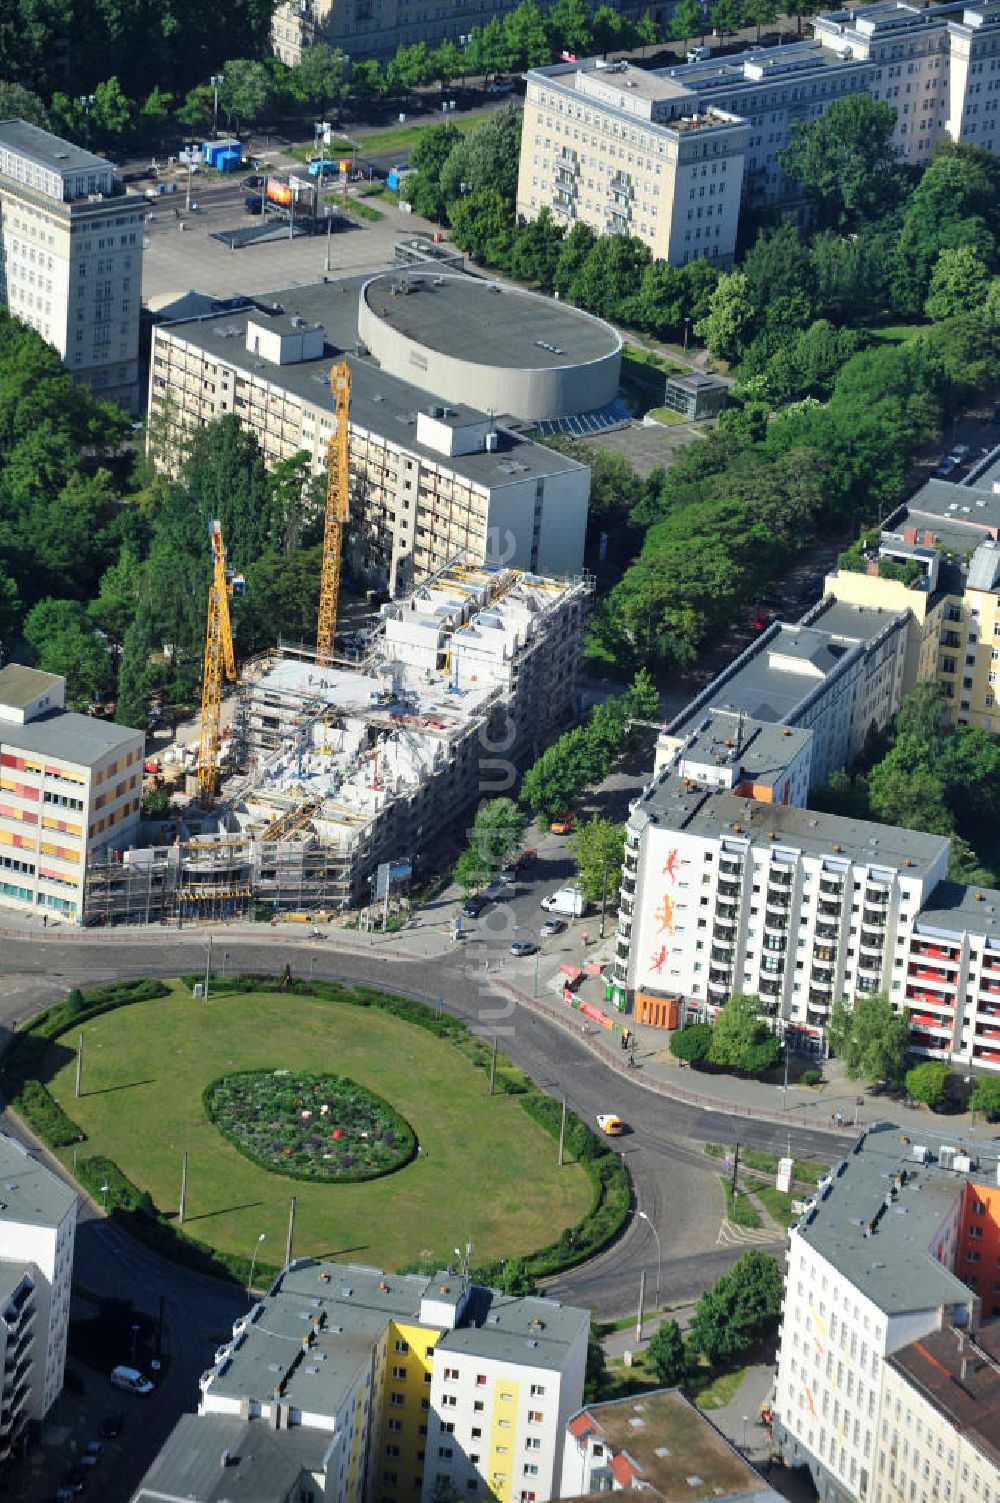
(336, 767)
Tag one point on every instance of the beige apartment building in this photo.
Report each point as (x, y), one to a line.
(71, 256)
(628, 152)
(374, 28)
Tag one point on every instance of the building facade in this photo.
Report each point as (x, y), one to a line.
(874, 1266)
(428, 480)
(71, 256)
(70, 787)
(629, 153)
(386, 1386)
(37, 1233)
(668, 155)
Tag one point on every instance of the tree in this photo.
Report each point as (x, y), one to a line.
(738, 1309)
(480, 224)
(958, 283)
(596, 1374)
(598, 848)
(368, 81)
(224, 476)
(741, 1039)
(927, 1082)
(728, 326)
(196, 111)
(846, 161)
(110, 112)
(798, 9)
(154, 114)
(691, 1043)
(954, 204)
(515, 1279)
(647, 33)
(488, 50)
(486, 158)
(612, 32)
(525, 36)
(423, 188)
(117, 601)
(321, 76)
(494, 839)
(687, 21)
(666, 1354)
(986, 1096)
(759, 13)
(19, 103)
(246, 90)
(446, 63)
(570, 29)
(409, 67)
(871, 1038)
(725, 18)
(64, 642)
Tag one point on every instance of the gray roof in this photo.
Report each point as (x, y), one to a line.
(30, 1194)
(380, 403)
(715, 814)
(43, 147)
(472, 319)
(894, 1266)
(787, 663)
(760, 749)
(343, 1310)
(82, 739)
(984, 567)
(958, 517)
(952, 908)
(264, 1464)
(20, 686)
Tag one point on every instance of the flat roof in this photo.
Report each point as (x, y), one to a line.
(50, 151)
(83, 739)
(894, 1266)
(959, 1376)
(729, 71)
(264, 1464)
(761, 749)
(534, 1331)
(488, 323)
(953, 908)
(717, 814)
(788, 662)
(380, 403)
(20, 686)
(675, 1451)
(30, 1194)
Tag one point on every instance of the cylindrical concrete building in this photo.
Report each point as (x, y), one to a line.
(489, 346)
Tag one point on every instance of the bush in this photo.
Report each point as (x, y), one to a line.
(928, 1082)
(45, 1116)
(811, 1077)
(691, 1043)
(986, 1096)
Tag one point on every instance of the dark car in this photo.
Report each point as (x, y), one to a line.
(525, 859)
(473, 907)
(111, 1425)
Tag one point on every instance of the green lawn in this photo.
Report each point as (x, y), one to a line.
(739, 1208)
(777, 1202)
(486, 1173)
(893, 333)
(667, 415)
(394, 138)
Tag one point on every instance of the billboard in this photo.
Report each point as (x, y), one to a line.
(278, 192)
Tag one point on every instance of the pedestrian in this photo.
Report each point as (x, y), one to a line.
(45, 921)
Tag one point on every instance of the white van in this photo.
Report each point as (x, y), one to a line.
(130, 1380)
(699, 54)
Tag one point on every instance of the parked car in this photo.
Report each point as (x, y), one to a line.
(550, 927)
(563, 823)
(473, 906)
(525, 859)
(111, 1424)
(946, 466)
(92, 1454)
(500, 86)
(131, 1380)
(523, 947)
(959, 453)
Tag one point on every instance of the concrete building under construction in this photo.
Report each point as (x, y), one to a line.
(346, 766)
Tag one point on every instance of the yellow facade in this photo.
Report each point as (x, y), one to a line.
(408, 1355)
(503, 1438)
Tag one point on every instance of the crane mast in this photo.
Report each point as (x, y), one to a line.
(337, 500)
(219, 660)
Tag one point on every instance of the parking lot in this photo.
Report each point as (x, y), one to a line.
(175, 261)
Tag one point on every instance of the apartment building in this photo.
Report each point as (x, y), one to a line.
(368, 1385)
(70, 787)
(429, 480)
(948, 535)
(629, 152)
(724, 890)
(939, 1432)
(620, 1445)
(37, 1232)
(669, 155)
(71, 256)
(877, 1268)
(840, 673)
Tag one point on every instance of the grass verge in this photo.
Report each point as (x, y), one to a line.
(667, 416)
(808, 1171)
(776, 1203)
(739, 1209)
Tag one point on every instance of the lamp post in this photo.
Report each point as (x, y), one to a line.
(687, 331)
(104, 1195)
(216, 80)
(87, 100)
(329, 232)
(253, 1261)
(659, 1254)
(135, 1338)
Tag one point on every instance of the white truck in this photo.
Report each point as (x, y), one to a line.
(569, 901)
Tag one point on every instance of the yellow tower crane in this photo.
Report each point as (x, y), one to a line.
(337, 501)
(218, 660)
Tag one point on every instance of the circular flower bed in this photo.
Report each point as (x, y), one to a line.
(323, 1127)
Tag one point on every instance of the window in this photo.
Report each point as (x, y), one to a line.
(538, 1390)
(397, 1400)
(451, 1375)
(530, 1469)
(478, 1406)
(390, 1477)
(392, 1452)
(480, 1380)
(536, 1417)
(445, 1453)
(402, 1347)
(400, 1373)
(450, 1400)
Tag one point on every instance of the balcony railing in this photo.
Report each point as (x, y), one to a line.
(831, 887)
(827, 931)
(828, 909)
(729, 889)
(879, 896)
(779, 877)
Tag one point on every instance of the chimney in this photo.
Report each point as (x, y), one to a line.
(928, 540)
(871, 569)
(909, 534)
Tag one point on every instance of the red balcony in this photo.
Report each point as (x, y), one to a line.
(988, 1033)
(931, 973)
(993, 1055)
(991, 988)
(929, 999)
(924, 1020)
(937, 952)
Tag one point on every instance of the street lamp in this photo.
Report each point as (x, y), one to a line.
(253, 1261)
(216, 80)
(104, 1192)
(87, 100)
(135, 1338)
(659, 1254)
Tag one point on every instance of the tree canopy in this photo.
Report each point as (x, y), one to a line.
(871, 1037)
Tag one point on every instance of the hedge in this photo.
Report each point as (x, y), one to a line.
(611, 1191)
